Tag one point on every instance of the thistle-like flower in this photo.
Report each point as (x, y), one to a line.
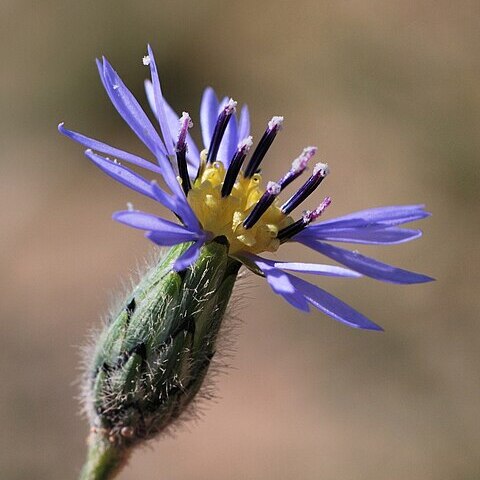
(151, 359)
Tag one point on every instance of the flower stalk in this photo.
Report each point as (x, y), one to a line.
(104, 460)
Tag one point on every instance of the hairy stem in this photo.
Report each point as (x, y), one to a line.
(104, 459)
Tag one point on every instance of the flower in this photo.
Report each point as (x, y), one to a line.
(213, 197)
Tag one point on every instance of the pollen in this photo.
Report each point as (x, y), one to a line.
(225, 215)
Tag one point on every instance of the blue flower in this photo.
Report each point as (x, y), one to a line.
(213, 194)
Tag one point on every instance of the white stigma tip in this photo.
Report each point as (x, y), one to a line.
(231, 106)
(275, 123)
(326, 202)
(309, 216)
(246, 143)
(130, 207)
(300, 163)
(309, 152)
(185, 119)
(273, 188)
(322, 169)
(146, 60)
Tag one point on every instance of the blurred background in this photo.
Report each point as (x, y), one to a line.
(389, 91)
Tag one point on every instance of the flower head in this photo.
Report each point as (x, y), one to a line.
(220, 192)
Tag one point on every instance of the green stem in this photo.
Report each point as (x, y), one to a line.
(104, 460)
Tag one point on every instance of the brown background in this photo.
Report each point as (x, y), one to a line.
(389, 91)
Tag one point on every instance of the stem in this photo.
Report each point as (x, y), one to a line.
(104, 460)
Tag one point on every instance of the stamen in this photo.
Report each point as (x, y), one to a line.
(273, 189)
(308, 217)
(181, 150)
(235, 165)
(274, 125)
(320, 171)
(146, 60)
(220, 128)
(185, 124)
(311, 216)
(298, 166)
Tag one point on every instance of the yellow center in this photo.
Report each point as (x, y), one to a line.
(225, 216)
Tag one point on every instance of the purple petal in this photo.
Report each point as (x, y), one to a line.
(208, 115)
(100, 73)
(129, 109)
(108, 150)
(168, 201)
(366, 265)
(184, 210)
(158, 238)
(244, 124)
(159, 106)
(332, 306)
(147, 221)
(121, 174)
(193, 155)
(189, 257)
(136, 182)
(378, 235)
(317, 269)
(280, 282)
(295, 300)
(229, 143)
(386, 216)
(132, 113)
(180, 208)
(295, 290)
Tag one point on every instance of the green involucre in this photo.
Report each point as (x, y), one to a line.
(152, 357)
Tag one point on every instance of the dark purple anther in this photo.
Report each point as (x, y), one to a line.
(181, 151)
(220, 128)
(235, 165)
(274, 125)
(308, 217)
(298, 166)
(319, 173)
(273, 189)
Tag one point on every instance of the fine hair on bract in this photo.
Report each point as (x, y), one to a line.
(219, 364)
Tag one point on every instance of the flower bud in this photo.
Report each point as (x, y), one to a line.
(152, 357)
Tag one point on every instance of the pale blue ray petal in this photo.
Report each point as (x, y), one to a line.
(244, 123)
(189, 257)
(208, 115)
(159, 106)
(333, 306)
(147, 221)
(193, 155)
(366, 265)
(387, 216)
(167, 200)
(180, 208)
(377, 235)
(163, 240)
(108, 150)
(280, 282)
(290, 286)
(121, 174)
(130, 110)
(317, 269)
